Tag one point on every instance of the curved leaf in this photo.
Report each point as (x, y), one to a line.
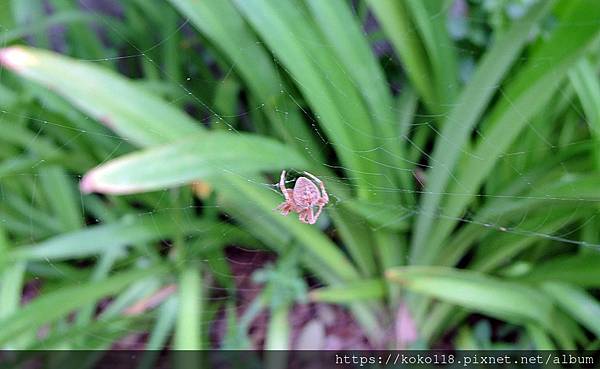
(111, 99)
(55, 305)
(577, 303)
(478, 292)
(211, 155)
(370, 289)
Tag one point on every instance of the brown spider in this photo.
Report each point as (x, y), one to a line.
(303, 198)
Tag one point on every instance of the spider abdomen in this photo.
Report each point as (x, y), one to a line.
(306, 193)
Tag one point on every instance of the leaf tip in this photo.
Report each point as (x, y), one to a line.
(16, 58)
(87, 184)
(394, 276)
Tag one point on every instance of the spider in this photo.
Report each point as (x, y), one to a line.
(303, 198)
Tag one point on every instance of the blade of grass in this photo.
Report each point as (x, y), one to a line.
(130, 296)
(92, 89)
(278, 338)
(579, 270)
(372, 289)
(81, 36)
(96, 240)
(61, 194)
(278, 334)
(52, 306)
(474, 291)
(539, 338)
(357, 239)
(58, 19)
(96, 335)
(218, 154)
(99, 273)
(187, 330)
(577, 303)
(501, 248)
(395, 21)
(430, 17)
(160, 333)
(27, 12)
(585, 81)
(11, 285)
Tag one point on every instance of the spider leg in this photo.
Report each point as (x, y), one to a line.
(284, 208)
(318, 212)
(303, 216)
(284, 190)
(324, 196)
(313, 177)
(288, 205)
(310, 216)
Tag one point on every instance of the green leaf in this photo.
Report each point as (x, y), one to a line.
(381, 215)
(580, 305)
(585, 81)
(278, 333)
(63, 199)
(474, 291)
(109, 98)
(394, 19)
(539, 338)
(582, 270)
(96, 336)
(167, 313)
(501, 249)
(59, 19)
(52, 306)
(11, 289)
(372, 289)
(95, 240)
(190, 299)
(208, 156)
(430, 17)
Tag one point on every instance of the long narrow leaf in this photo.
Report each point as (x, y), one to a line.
(52, 306)
(219, 154)
(475, 291)
(579, 304)
(94, 91)
(99, 239)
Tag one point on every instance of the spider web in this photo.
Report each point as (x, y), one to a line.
(246, 261)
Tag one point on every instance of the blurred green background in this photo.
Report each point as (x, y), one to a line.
(142, 142)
